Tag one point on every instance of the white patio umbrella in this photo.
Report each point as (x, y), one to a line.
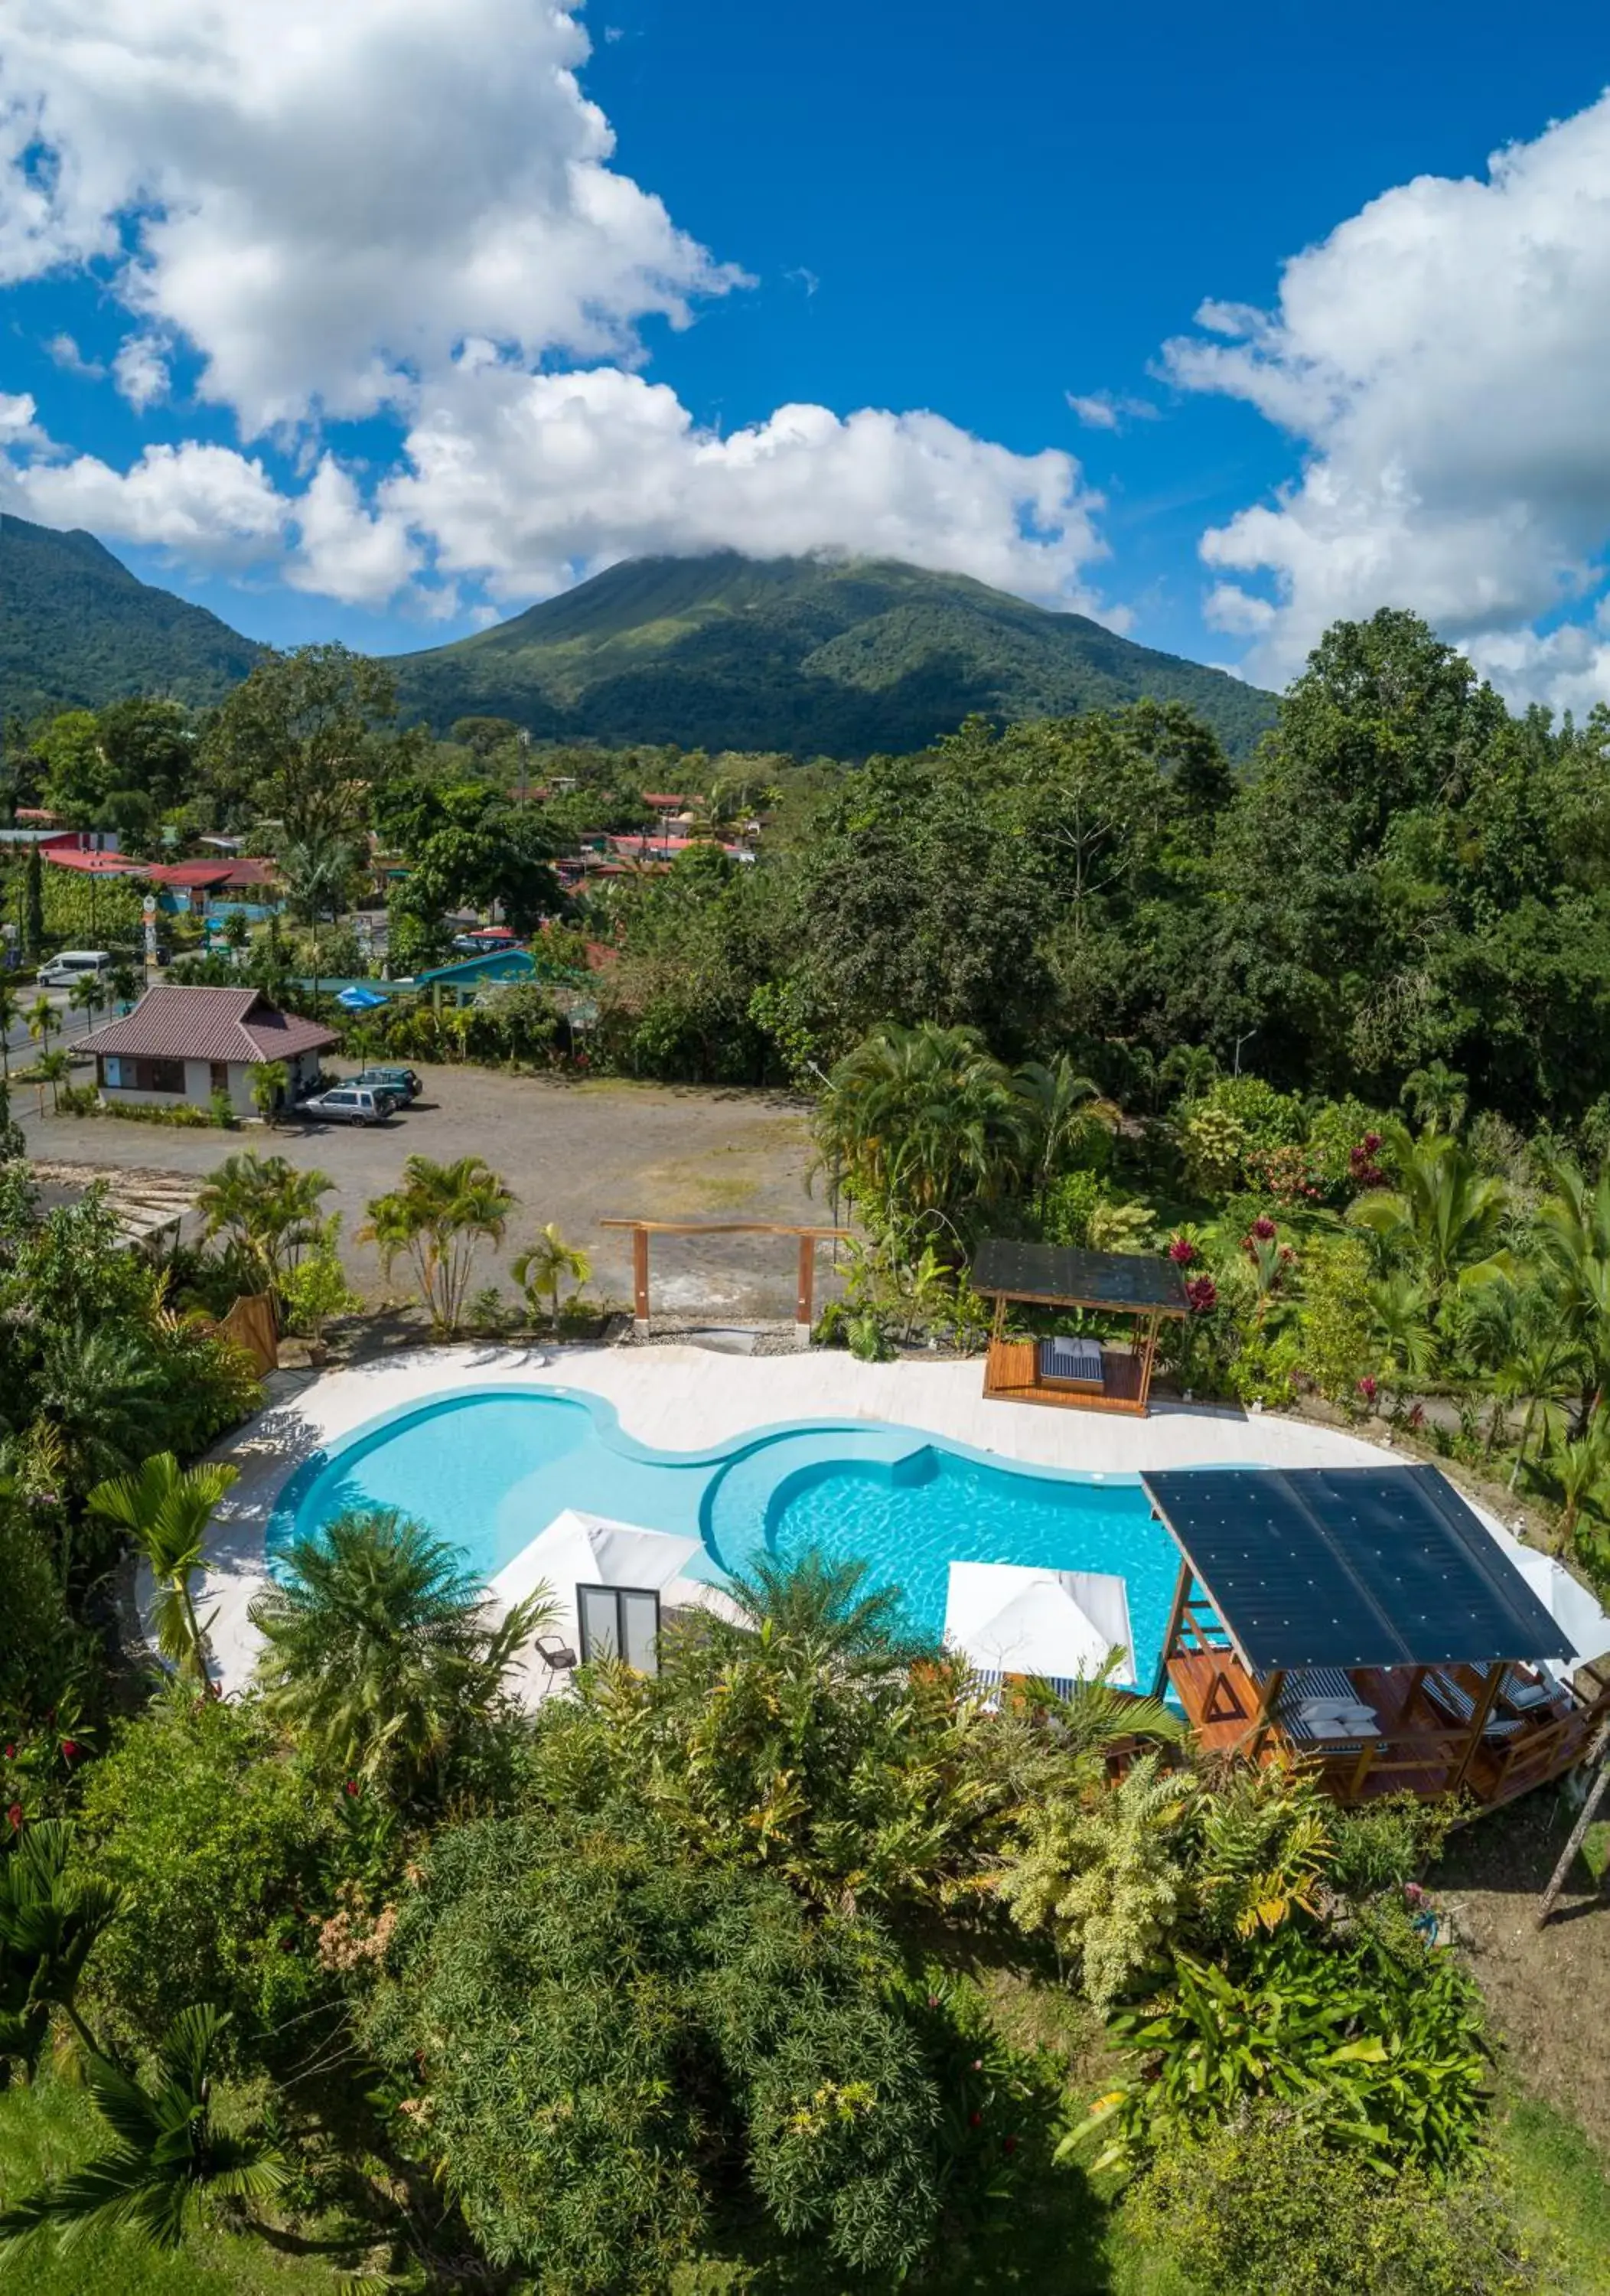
(1569, 1604)
(1009, 1617)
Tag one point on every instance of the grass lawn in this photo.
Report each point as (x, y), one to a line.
(51, 2126)
(1562, 2189)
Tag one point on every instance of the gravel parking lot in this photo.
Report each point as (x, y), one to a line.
(574, 1153)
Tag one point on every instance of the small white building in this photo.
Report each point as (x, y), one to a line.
(183, 1044)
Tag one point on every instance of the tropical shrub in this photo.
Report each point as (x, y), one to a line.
(215, 1841)
(1383, 2048)
(1104, 1873)
(1259, 2203)
(663, 2032)
(1265, 1840)
(316, 1290)
(39, 1635)
(1070, 1202)
(1214, 1143)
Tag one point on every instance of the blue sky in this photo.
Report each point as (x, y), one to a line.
(874, 212)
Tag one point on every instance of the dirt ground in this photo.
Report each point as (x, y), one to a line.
(573, 1153)
(1550, 1991)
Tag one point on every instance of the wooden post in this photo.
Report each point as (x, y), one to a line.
(640, 1280)
(1148, 1351)
(1273, 1682)
(804, 1297)
(1599, 1753)
(1478, 1722)
(1172, 1634)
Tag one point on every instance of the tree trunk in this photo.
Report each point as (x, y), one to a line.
(1600, 1754)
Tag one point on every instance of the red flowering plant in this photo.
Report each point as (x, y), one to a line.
(1287, 1173)
(1272, 1259)
(994, 2100)
(1182, 1252)
(1203, 1293)
(1362, 1169)
(37, 1757)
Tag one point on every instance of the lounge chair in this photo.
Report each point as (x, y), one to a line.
(1073, 1364)
(1319, 1706)
(1449, 1696)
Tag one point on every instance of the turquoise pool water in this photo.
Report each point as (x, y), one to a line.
(490, 1469)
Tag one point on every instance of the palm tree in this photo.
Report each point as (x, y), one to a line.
(1399, 1309)
(816, 1617)
(1572, 1238)
(1447, 1212)
(87, 994)
(1436, 1095)
(379, 1648)
(50, 1923)
(922, 1125)
(315, 876)
(104, 1392)
(167, 1509)
(52, 1069)
(267, 1206)
(43, 1021)
(169, 2155)
(1059, 1102)
(270, 1081)
(1580, 1470)
(545, 1267)
(439, 1218)
(11, 1013)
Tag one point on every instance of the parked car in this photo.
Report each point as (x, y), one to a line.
(348, 1103)
(70, 964)
(403, 1085)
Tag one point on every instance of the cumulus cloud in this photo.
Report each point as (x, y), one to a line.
(1444, 356)
(528, 481)
(326, 201)
(63, 351)
(408, 208)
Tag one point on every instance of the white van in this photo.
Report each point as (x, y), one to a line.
(70, 964)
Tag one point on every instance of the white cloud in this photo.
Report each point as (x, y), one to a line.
(526, 481)
(407, 207)
(64, 352)
(141, 369)
(1102, 411)
(1444, 357)
(326, 200)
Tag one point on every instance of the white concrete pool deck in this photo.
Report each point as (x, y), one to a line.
(686, 1399)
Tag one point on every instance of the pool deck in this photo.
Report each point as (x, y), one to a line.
(688, 1398)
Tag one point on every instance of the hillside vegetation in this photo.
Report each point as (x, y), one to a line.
(726, 653)
(79, 630)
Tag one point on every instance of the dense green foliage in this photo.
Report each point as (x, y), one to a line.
(78, 630)
(802, 655)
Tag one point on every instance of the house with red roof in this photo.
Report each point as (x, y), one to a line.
(182, 1043)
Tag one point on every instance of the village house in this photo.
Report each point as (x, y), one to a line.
(182, 1045)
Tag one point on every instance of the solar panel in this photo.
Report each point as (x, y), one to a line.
(1350, 1566)
(1131, 1281)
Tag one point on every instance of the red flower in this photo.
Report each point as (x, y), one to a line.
(15, 1814)
(1367, 1388)
(975, 2121)
(1203, 1293)
(1008, 2144)
(1286, 1255)
(351, 1786)
(11, 1753)
(1182, 1252)
(1263, 1228)
(69, 1750)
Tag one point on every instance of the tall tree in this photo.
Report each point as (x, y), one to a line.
(300, 740)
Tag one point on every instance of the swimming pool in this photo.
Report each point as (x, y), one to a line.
(489, 1468)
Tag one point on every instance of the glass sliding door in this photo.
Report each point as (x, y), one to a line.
(620, 1623)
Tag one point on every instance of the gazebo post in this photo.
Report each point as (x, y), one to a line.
(1181, 1590)
(1478, 1722)
(1273, 1682)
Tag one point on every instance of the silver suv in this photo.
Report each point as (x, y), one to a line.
(348, 1103)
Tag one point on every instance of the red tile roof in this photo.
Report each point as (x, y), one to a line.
(178, 1022)
(92, 865)
(199, 875)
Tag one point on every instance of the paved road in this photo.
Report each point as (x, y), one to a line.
(572, 1153)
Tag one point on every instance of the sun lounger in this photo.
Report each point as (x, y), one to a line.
(1319, 1706)
(1450, 1697)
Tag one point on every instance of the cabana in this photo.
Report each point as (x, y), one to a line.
(1363, 1618)
(1079, 1372)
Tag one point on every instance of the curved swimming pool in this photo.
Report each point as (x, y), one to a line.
(489, 1468)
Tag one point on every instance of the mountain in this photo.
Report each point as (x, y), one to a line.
(77, 629)
(726, 653)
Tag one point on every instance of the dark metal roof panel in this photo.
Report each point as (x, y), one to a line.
(1350, 1566)
(1128, 1280)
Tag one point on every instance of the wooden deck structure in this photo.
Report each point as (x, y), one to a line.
(1393, 1574)
(1133, 1284)
(808, 1239)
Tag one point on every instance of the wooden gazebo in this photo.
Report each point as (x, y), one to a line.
(1080, 1376)
(1363, 1618)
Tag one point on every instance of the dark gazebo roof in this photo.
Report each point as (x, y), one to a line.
(1350, 1566)
(1133, 1282)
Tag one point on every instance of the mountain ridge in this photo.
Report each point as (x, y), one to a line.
(77, 629)
(815, 656)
